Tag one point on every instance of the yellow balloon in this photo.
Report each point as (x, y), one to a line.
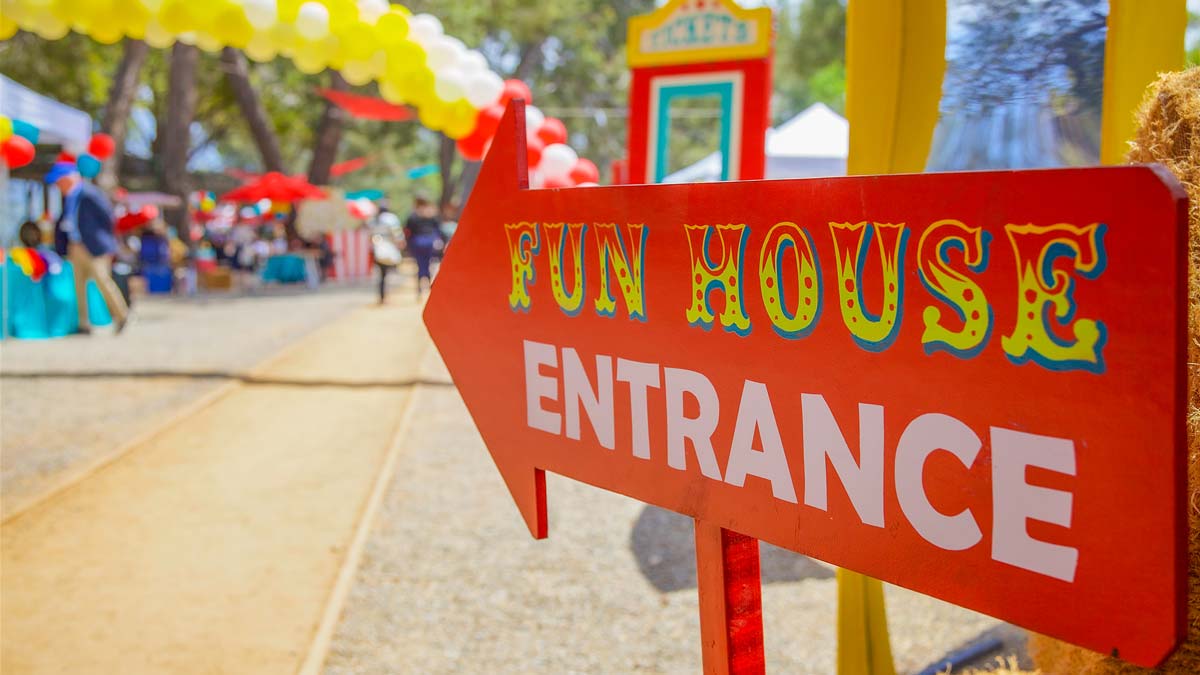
(392, 27)
(8, 28)
(156, 36)
(310, 57)
(405, 56)
(391, 93)
(71, 11)
(5, 128)
(106, 28)
(284, 37)
(232, 28)
(176, 16)
(433, 113)
(288, 10)
(341, 14)
(50, 27)
(261, 48)
(358, 40)
(209, 42)
(356, 73)
(461, 120)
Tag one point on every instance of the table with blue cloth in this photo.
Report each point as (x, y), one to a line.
(288, 268)
(47, 307)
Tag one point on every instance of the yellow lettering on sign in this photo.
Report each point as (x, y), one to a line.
(722, 273)
(523, 244)
(1048, 258)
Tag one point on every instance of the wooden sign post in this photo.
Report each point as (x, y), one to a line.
(970, 385)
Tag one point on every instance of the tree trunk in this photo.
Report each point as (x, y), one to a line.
(329, 134)
(446, 155)
(238, 75)
(115, 120)
(181, 109)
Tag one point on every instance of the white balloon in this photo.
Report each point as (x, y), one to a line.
(471, 61)
(371, 10)
(312, 23)
(589, 184)
(449, 84)
(261, 14)
(441, 53)
(533, 119)
(557, 160)
(424, 28)
(536, 179)
(483, 88)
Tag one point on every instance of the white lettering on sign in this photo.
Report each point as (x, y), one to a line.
(693, 415)
(862, 479)
(538, 387)
(1016, 501)
(921, 438)
(598, 404)
(698, 429)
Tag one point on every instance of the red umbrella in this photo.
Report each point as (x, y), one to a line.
(276, 187)
(135, 219)
(368, 107)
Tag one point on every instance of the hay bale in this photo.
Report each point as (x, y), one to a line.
(1169, 133)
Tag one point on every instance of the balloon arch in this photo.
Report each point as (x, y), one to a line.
(411, 58)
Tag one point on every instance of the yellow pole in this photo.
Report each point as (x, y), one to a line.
(895, 60)
(1145, 38)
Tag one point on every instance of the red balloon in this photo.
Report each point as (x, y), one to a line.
(552, 131)
(534, 146)
(558, 182)
(18, 151)
(474, 145)
(471, 147)
(65, 156)
(488, 120)
(584, 171)
(149, 212)
(515, 89)
(101, 146)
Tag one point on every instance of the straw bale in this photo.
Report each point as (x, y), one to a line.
(1169, 133)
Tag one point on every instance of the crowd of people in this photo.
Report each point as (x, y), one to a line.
(85, 234)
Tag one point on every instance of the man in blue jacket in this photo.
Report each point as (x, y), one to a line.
(84, 234)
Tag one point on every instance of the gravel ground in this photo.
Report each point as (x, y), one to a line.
(106, 390)
(450, 580)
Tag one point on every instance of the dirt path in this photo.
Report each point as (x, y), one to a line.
(213, 546)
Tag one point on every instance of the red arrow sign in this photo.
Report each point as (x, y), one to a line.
(970, 385)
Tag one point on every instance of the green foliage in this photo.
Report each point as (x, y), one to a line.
(571, 52)
(810, 56)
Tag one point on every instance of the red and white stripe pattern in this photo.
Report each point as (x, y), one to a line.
(351, 254)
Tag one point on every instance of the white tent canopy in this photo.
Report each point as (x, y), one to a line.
(813, 143)
(57, 123)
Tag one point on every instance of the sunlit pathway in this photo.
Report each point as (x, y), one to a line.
(213, 547)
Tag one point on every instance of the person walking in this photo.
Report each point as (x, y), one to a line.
(84, 235)
(422, 231)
